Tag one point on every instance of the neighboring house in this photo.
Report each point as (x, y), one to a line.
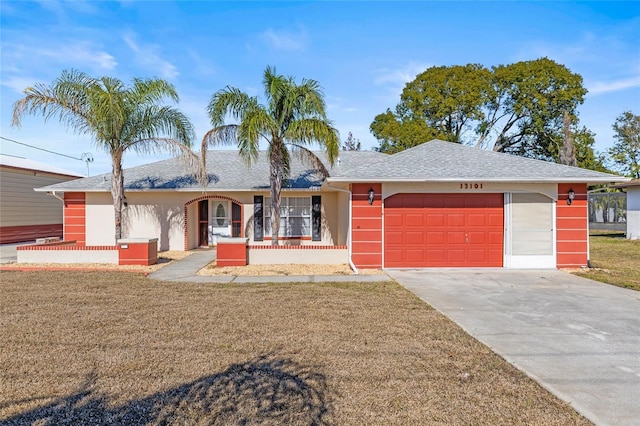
(439, 204)
(25, 214)
(633, 208)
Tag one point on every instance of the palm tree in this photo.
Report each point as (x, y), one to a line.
(118, 117)
(293, 118)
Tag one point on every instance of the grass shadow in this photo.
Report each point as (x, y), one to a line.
(263, 390)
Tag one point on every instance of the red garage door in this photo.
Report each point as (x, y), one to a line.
(443, 230)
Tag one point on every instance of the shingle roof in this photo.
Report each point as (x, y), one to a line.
(226, 170)
(440, 161)
(634, 182)
(435, 161)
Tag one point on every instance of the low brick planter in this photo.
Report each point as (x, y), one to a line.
(231, 252)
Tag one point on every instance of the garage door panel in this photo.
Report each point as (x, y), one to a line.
(495, 238)
(456, 255)
(477, 219)
(394, 237)
(435, 255)
(440, 230)
(477, 238)
(495, 220)
(476, 258)
(435, 237)
(414, 256)
(455, 219)
(435, 219)
(455, 237)
(414, 237)
(394, 219)
(414, 219)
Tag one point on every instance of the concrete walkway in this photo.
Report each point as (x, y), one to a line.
(186, 270)
(578, 338)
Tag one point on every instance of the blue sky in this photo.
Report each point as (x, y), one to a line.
(362, 53)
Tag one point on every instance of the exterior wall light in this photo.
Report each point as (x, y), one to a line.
(571, 196)
(372, 194)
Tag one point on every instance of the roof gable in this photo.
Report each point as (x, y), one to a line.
(441, 161)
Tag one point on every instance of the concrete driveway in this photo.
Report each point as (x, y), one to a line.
(577, 338)
(8, 253)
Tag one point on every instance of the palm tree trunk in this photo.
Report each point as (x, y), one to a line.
(276, 189)
(117, 191)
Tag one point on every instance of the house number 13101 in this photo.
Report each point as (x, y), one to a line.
(470, 186)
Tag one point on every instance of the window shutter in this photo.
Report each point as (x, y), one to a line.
(258, 216)
(316, 218)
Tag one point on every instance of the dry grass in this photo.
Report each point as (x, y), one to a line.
(614, 260)
(113, 347)
(164, 258)
(285, 269)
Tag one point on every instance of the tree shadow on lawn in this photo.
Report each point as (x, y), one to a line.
(264, 390)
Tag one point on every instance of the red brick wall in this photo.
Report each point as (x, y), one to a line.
(366, 226)
(75, 217)
(572, 229)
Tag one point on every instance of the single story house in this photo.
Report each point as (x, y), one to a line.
(633, 208)
(26, 215)
(439, 204)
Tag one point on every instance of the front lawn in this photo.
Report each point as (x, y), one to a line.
(96, 348)
(614, 260)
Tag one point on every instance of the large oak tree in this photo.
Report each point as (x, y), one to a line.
(626, 149)
(508, 108)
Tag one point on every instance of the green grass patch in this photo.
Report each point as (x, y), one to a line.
(614, 260)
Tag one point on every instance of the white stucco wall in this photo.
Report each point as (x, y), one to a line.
(633, 212)
(99, 220)
(68, 256)
(294, 256)
(156, 214)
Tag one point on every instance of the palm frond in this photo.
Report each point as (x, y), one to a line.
(65, 98)
(309, 158)
(314, 130)
(229, 101)
(154, 90)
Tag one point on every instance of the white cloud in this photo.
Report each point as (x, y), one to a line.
(600, 87)
(282, 40)
(18, 84)
(399, 76)
(147, 56)
(17, 56)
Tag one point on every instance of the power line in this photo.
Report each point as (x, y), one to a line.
(42, 149)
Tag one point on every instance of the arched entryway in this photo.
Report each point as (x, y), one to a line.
(214, 216)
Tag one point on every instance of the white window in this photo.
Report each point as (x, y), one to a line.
(295, 217)
(220, 214)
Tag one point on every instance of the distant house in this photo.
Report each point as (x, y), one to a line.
(24, 213)
(439, 204)
(633, 208)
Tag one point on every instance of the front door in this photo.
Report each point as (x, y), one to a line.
(203, 223)
(220, 223)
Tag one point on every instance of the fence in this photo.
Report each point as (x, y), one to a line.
(608, 211)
